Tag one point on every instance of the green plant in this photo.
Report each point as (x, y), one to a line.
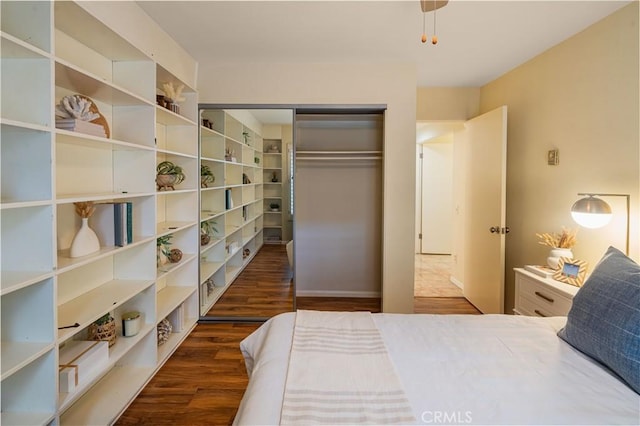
(257, 160)
(104, 319)
(274, 206)
(206, 176)
(169, 168)
(163, 243)
(208, 227)
(246, 137)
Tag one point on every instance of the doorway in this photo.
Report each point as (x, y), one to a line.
(435, 255)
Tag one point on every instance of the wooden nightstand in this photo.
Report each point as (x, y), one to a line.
(542, 297)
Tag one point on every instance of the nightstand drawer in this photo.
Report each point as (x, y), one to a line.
(533, 308)
(545, 297)
(542, 297)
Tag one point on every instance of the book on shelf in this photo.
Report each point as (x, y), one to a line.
(81, 126)
(228, 199)
(113, 223)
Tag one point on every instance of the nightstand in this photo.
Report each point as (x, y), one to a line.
(542, 297)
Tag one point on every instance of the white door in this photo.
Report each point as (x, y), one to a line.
(485, 211)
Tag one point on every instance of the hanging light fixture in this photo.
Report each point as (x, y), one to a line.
(428, 6)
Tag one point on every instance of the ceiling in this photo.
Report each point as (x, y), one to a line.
(478, 40)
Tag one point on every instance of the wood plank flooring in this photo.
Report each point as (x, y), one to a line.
(262, 290)
(203, 382)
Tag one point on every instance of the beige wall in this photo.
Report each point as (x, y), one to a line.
(581, 97)
(447, 103)
(390, 84)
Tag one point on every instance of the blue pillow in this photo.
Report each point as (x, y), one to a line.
(604, 320)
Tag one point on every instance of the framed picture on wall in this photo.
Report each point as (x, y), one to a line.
(571, 271)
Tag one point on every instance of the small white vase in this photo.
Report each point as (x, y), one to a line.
(555, 254)
(85, 241)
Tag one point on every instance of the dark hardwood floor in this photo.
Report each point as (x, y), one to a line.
(264, 289)
(203, 382)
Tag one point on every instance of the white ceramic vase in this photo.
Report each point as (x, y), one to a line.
(555, 254)
(85, 241)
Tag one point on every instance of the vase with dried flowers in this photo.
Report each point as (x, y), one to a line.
(561, 244)
(85, 241)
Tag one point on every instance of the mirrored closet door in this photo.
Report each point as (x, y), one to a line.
(245, 212)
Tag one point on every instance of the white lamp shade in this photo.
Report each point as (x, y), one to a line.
(591, 212)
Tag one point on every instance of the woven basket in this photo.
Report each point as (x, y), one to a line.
(106, 332)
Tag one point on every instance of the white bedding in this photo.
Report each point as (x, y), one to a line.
(489, 369)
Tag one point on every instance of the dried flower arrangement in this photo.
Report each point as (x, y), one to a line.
(173, 93)
(564, 239)
(85, 209)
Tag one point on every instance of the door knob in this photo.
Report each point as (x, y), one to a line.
(494, 229)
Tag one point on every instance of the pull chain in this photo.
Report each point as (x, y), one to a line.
(434, 39)
(424, 33)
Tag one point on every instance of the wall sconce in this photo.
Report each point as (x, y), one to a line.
(592, 212)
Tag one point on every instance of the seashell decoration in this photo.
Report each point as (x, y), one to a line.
(82, 108)
(76, 106)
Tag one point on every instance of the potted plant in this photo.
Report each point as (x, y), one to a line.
(257, 160)
(104, 328)
(275, 207)
(168, 175)
(207, 230)
(163, 245)
(206, 176)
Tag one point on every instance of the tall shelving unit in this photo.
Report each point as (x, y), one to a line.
(50, 50)
(232, 204)
(273, 191)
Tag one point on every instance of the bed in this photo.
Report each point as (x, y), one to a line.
(457, 369)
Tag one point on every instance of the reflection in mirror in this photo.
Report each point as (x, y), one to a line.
(246, 213)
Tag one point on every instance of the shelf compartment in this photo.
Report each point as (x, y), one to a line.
(211, 261)
(189, 166)
(29, 22)
(29, 395)
(85, 42)
(178, 208)
(99, 169)
(25, 84)
(25, 181)
(210, 295)
(128, 378)
(88, 292)
(170, 297)
(170, 118)
(22, 260)
(169, 267)
(27, 325)
(101, 222)
(211, 144)
(177, 139)
(217, 169)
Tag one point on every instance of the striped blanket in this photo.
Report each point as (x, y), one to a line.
(340, 373)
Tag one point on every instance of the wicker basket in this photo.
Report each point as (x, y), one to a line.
(106, 331)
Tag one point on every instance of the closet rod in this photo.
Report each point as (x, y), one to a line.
(371, 157)
(337, 152)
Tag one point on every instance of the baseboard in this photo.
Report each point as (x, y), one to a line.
(456, 282)
(336, 293)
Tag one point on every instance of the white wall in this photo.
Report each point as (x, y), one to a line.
(437, 195)
(322, 83)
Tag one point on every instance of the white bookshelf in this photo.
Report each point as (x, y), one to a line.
(232, 203)
(273, 191)
(50, 50)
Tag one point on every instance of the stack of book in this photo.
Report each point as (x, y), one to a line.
(113, 223)
(76, 125)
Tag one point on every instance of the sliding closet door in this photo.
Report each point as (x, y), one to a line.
(338, 205)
